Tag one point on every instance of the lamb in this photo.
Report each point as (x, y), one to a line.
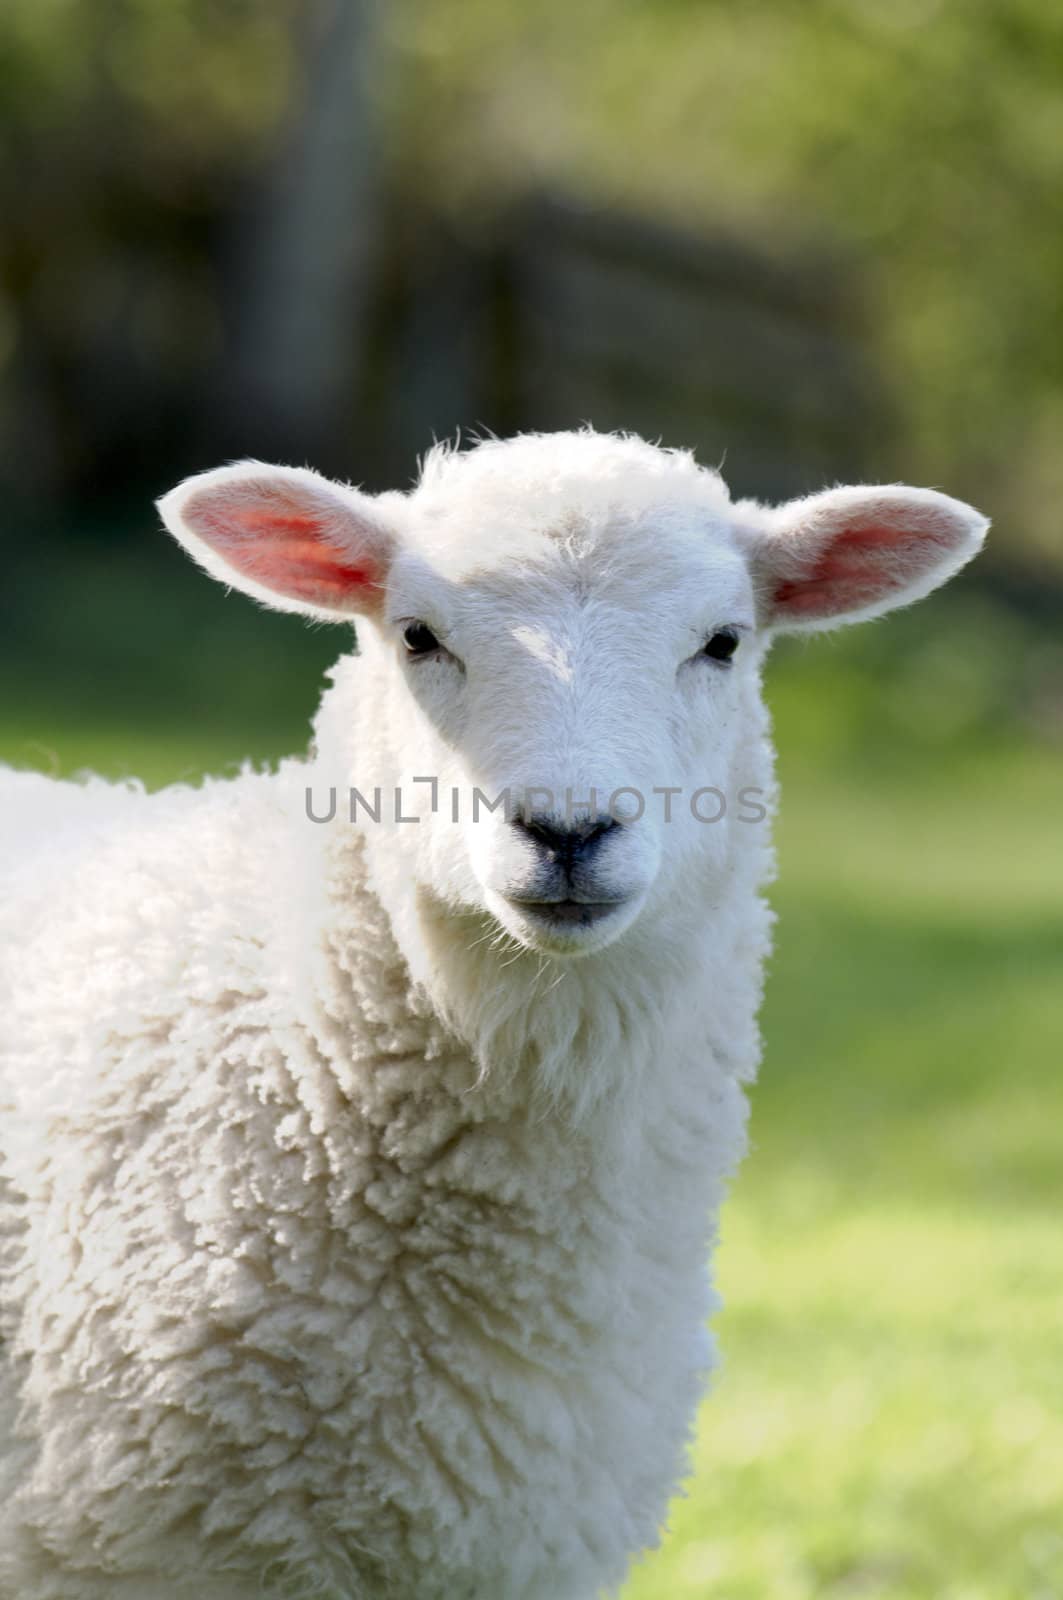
(359, 1177)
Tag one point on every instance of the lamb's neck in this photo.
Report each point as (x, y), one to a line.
(621, 1071)
(580, 1033)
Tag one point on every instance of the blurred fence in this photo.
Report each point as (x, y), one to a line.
(568, 315)
(549, 316)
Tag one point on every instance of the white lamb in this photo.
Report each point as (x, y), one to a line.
(359, 1179)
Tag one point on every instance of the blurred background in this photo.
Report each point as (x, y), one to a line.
(817, 242)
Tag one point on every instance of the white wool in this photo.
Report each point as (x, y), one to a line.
(354, 1242)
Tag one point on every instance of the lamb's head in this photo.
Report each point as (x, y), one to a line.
(564, 633)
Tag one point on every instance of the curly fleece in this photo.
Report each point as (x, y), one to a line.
(298, 1301)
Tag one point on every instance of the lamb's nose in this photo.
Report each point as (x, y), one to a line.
(564, 841)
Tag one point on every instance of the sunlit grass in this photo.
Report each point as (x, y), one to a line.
(155, 755)
(888, 1421)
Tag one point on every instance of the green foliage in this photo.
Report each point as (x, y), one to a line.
(922, 139)
(183, 78)
(918, 142)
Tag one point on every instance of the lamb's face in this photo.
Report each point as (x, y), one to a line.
(579, 683)
(563, 636)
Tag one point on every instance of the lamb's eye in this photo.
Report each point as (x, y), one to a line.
(419, 639)
(722, 645)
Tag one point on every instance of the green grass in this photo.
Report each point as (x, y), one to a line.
(888, 1421)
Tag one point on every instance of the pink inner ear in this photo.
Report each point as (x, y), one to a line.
(857, 567)
(291, 553)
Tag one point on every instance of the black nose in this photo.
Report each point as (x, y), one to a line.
(563, 841)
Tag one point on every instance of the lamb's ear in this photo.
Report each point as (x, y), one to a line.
(286, 536)
(848, 554)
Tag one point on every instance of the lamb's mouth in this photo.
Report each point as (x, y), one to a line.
(565, 926)
(569, 913)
